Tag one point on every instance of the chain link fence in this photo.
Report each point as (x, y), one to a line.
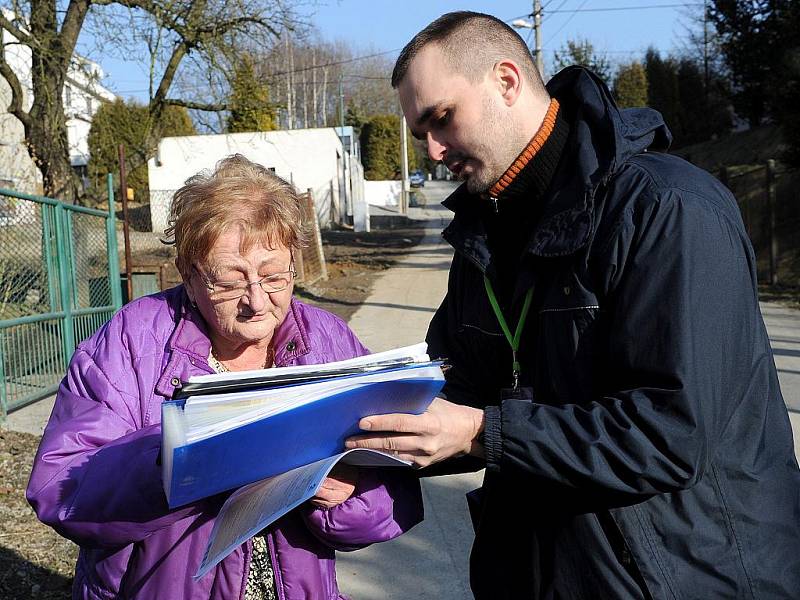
(138, 216)
(59, 281)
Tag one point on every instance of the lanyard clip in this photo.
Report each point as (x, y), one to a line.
(515, 369)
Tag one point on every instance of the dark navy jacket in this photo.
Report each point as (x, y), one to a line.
(656, 458)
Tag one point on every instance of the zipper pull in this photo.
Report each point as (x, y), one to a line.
(494, 203)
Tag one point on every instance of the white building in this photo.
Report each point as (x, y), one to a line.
(309, 158)
(82, 96)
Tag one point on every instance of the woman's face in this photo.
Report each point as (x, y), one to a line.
(253, 317)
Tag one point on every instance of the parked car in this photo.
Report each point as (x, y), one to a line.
(417, 179)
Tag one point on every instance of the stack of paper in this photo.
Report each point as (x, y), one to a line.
(283, 428)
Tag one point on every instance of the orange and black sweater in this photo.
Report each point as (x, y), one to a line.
(515, 201)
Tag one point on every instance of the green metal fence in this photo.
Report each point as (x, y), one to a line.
(59, 281)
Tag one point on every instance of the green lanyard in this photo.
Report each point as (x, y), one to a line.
(513, 342)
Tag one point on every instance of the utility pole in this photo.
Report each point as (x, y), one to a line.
(345, 199)
(537, 31)
(705, 50)
(536, 25)
(341, 103)
(123, 195)
(404, 166)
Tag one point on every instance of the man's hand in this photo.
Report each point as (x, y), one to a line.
(443, 431)
(337, 487)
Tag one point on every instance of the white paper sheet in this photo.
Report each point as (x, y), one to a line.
(254, 507)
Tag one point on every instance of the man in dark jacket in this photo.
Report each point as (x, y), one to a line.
(609, 363)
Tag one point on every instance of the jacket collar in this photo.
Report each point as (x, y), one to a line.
(291, 340)
(601, 138)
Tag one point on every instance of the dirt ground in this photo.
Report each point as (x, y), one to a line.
(35, 562)
(354, 261)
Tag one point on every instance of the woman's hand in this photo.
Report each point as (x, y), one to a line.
(337, 487)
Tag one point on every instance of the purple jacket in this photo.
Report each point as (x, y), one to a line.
(95, 479)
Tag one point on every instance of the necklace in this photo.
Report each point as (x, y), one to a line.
(215, 364)
(218, 367)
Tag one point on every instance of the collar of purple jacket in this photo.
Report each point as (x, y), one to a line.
(191, 338)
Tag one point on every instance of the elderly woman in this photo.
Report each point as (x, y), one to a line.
(96, 478)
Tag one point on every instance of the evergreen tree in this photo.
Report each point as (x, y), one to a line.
(749, 44)
(630, 85)
(249, 105)
(380, 148)
(355, 117)
(760, 43)
(695, 110)
(704, 110)
(129, 123)
(582, 52)
(662, 88)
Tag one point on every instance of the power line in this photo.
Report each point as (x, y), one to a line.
(547, 14)
(574, 11)
(332, 63)
(640, 51)
(620, 8)
(311, 68)
(346, 79)
(572, 16)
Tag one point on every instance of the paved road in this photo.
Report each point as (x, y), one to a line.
(431, 561)
(783, 325)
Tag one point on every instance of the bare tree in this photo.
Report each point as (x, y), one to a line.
(176, 34)
(369, 87)
(312, 79)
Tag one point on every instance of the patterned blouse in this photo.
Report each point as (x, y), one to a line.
(260, 578)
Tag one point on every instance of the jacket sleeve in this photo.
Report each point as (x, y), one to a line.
(682, 314)
(95, 478)
(386, 503)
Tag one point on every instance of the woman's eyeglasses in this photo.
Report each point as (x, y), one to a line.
(230, 290)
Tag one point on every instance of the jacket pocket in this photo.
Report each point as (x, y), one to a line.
(568, 351)
(483, 361)
(621, 549)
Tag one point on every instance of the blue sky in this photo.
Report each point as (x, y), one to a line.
(377, 25)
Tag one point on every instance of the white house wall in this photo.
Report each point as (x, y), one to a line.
(305, 157)
(383, 193)
(82, 97)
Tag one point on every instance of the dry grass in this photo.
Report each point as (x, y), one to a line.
(35, 562)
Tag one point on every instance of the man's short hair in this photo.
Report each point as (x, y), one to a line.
(472, 44)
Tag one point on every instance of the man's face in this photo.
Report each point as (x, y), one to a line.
(463, 123)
